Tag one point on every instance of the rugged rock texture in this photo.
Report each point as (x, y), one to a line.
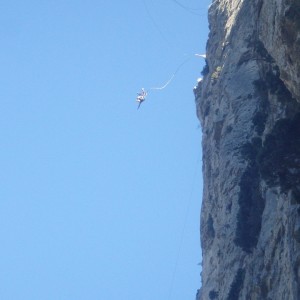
(249, 106)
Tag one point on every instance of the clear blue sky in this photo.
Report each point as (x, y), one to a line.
(94, 192)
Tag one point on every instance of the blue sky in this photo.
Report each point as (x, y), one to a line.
(99, 200)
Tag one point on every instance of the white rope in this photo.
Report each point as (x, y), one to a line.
(165, 85)
(173, 75)
(201, 55)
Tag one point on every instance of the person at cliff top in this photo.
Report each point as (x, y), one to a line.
(141, 97)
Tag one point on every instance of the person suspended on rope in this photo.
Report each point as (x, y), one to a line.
(141, 97)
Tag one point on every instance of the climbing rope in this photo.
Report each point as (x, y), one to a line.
(155, 23)
(141, 97)
(190, 9)
(183, 229)
(173, 75)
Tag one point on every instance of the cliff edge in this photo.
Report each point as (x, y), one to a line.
(249, 107)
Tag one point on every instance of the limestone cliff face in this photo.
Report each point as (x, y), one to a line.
(249, 106)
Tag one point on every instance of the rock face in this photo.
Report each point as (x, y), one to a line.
(249, 107)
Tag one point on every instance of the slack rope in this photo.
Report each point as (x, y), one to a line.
(189, 9)
(165, 85)
(173, 75)
(155, 23)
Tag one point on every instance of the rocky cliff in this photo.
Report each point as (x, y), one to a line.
(249, 107)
